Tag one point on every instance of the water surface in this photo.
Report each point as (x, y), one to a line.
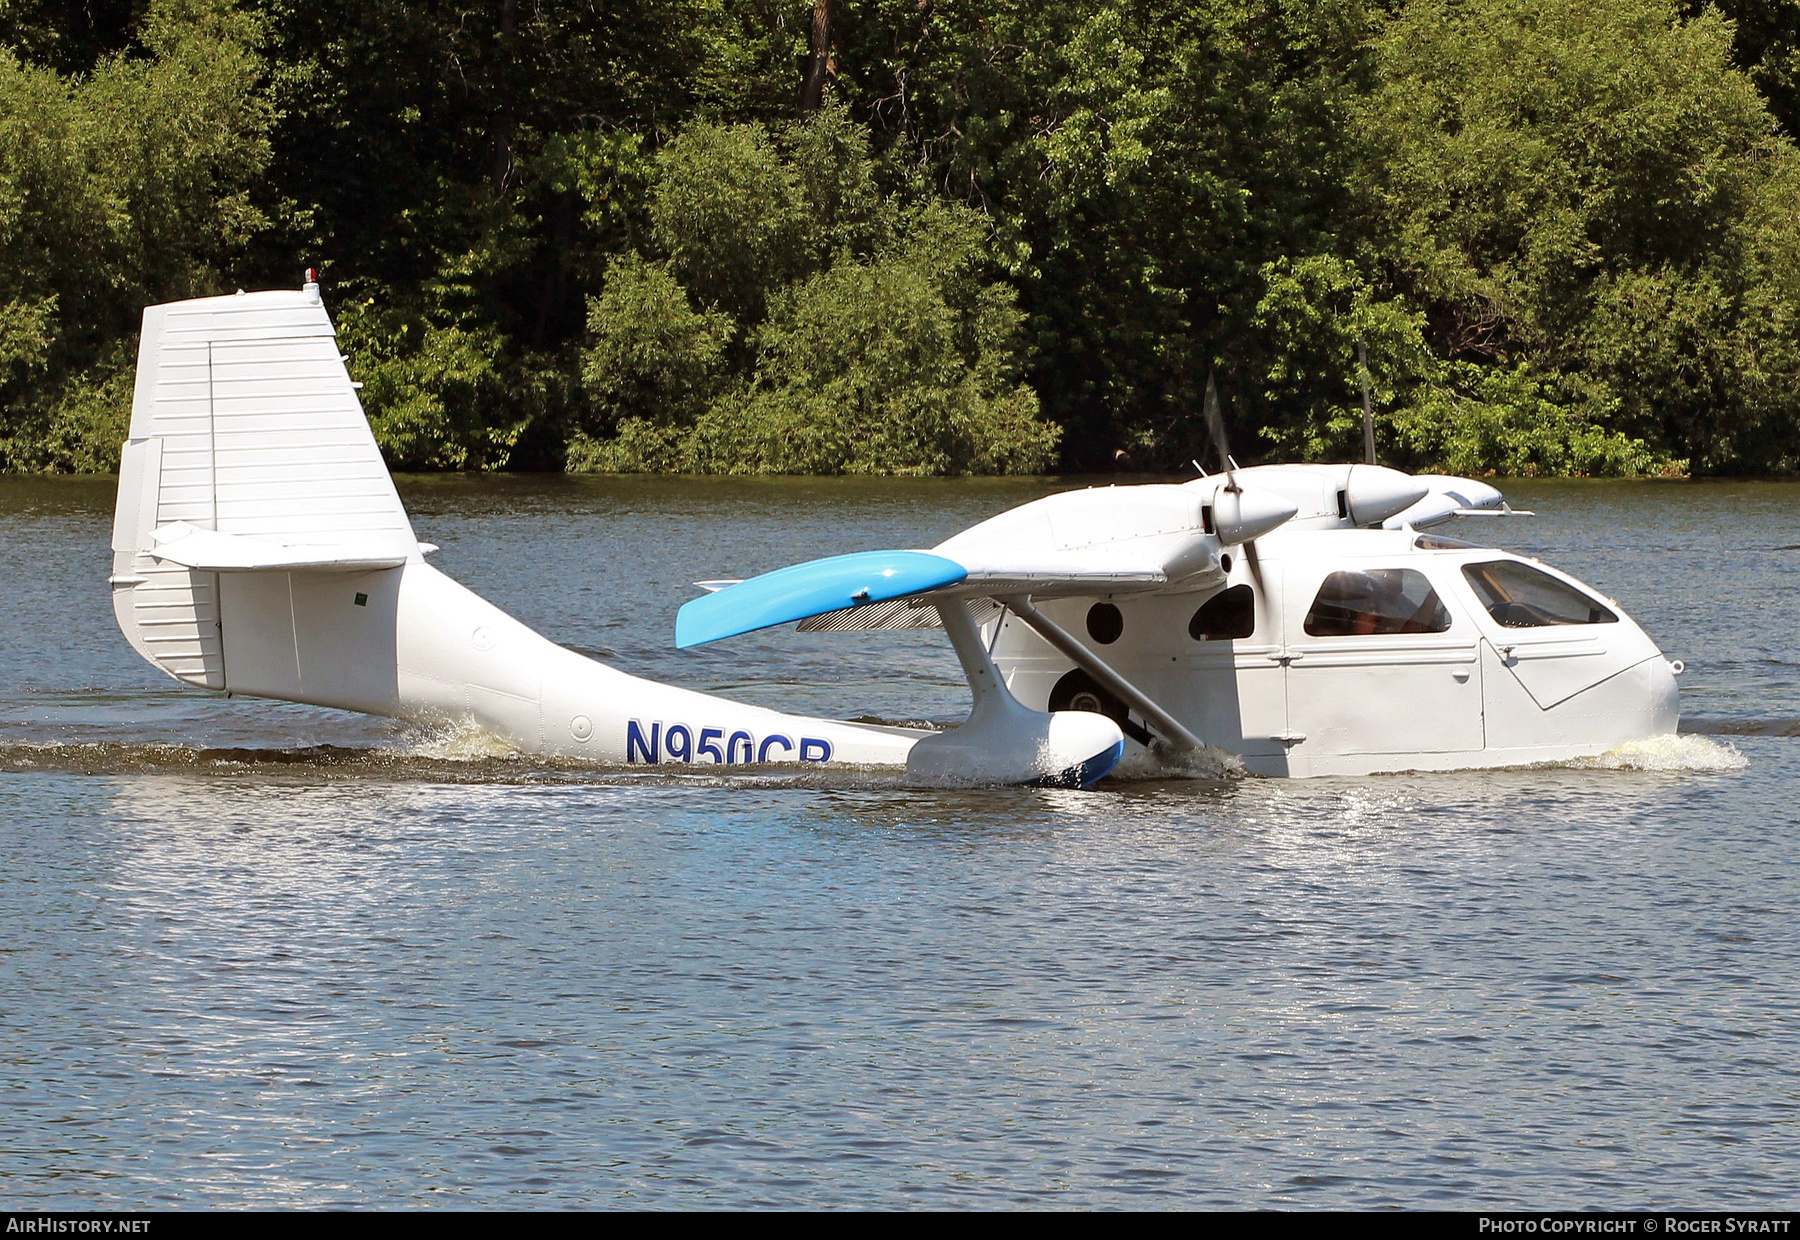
(258, 954)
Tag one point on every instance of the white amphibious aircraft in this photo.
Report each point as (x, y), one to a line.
(1292, 615)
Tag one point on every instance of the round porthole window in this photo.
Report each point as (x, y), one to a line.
(1104, 623)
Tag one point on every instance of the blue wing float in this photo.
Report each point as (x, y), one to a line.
(810, 589)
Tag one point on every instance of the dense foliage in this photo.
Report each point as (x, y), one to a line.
(915, 236)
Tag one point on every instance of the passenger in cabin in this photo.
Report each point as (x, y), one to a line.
(1376, 602)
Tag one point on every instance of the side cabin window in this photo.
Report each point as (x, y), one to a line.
(1227, 615)
(1374, 602)
(1522, 597)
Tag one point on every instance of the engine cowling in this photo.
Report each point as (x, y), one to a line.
(1246, 513)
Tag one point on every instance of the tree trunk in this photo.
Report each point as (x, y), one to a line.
(556, 271)
(820, 66)
(500, 167)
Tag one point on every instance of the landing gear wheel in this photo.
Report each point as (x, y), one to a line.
(1079, 691)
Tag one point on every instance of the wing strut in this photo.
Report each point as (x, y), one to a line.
(977, 665)
(1004, 741)
(1095, 666)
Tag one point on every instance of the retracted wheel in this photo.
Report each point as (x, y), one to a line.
(1079, 691)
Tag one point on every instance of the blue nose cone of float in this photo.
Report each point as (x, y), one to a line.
(811, 589)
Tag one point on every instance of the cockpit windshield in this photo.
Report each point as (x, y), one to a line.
(1522, 597)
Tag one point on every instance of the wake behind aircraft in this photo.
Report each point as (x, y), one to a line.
(1294, 616)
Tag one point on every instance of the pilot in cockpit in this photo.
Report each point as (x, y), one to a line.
(1374, 597)
(1362, 603)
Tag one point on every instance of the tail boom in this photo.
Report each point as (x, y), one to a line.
(260, 548)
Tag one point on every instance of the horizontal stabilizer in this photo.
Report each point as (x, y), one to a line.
(212, 552)
(810, 589)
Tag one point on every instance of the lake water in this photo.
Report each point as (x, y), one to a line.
(265, 955)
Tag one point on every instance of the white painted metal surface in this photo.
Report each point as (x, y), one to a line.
(259, 547)
(1474, 693)
(1290, 614)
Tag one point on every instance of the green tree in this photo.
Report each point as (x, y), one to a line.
(127, 185)
(599, 234)
(1766, 44)
(871, 336)
(655, 365)
(1138, 164)
(902, 364)
(1595, 190)
(69, 36)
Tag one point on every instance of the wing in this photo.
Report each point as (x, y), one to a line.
(1101, 541)
(810, 589)
(895, 589)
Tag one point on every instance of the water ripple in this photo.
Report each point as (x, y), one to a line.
(261, 955)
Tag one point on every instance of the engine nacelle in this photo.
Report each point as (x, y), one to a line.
(1241, 514)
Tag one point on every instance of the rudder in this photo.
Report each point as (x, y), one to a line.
(244, 422)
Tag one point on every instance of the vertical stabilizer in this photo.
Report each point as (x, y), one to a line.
(245, 422)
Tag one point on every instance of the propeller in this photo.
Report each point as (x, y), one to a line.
(1215, 426)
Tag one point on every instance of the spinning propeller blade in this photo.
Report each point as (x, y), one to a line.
(1254, 564)
(1215, 426)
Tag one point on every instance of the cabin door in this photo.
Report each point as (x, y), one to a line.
(1235, 691)
(1379, 661)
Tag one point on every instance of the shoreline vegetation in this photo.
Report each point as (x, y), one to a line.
(906, 237)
